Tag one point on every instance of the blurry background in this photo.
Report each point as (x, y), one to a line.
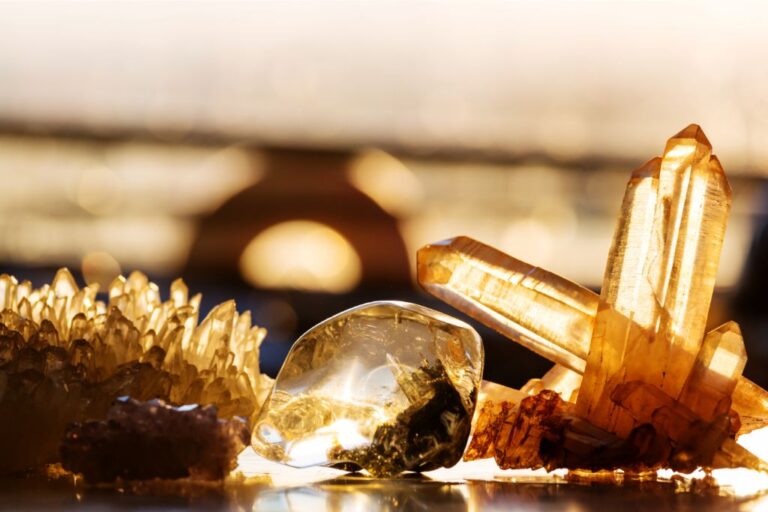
(294, 155)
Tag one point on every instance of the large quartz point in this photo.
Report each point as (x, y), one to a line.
(385, 386)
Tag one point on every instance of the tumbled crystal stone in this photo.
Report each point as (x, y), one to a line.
(385, 386)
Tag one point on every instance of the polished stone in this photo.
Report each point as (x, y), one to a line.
(385, 386)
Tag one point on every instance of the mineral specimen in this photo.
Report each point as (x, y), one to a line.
(385, 386)
(66, 356)
(507, 294)
(143, 440)
(659, 278)
(650, 376)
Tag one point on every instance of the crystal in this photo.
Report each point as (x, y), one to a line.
(385, 386)
(715, 373)
(66, 356)
(143, 440)
(696, 442)
(540, 310)
(644, 332)
(472, 277)
(659, 278)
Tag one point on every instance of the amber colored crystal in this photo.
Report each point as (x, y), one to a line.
(651, 379)
(659, 278)
(715, 373)
(541, 430)
(540, 310)
(445, 268)
(699, 443)
(559, 379)
(66, 356)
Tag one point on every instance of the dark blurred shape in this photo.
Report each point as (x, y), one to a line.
(302, 185)
(750, 301)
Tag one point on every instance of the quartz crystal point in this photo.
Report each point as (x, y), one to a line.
(544, 312)
(385, 386)
(471, 277)
(66, 356)
(715, 373)
(659, 279)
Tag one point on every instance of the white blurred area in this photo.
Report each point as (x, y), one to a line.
(516, 123)
(566, 78)
(106, 204)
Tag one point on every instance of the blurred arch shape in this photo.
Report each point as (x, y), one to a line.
(306, 195)
(386, 180)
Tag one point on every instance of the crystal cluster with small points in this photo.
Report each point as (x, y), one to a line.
(66, 356)
(637, 382)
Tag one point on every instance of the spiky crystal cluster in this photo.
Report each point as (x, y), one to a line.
(66, 356)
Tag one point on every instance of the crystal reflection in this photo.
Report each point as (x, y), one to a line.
(360, 493)
(357, 492)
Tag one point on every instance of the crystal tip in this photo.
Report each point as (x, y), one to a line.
(694, 132)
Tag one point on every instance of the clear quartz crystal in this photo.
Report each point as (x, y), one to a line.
(385, 386)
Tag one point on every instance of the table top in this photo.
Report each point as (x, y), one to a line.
(263, 485)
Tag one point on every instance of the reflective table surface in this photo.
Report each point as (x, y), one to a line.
(262, 485)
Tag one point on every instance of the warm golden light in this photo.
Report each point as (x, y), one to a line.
(303, 255)
(100, 268)
(386, 180)
(99, 191)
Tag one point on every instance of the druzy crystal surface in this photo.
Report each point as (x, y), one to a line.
(143, 440)
(385, 386)
(633, 364)
(66, 356)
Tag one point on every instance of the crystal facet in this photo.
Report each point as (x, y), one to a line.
(385, 386)
(654, 389)
(544, 312)
(659, 278)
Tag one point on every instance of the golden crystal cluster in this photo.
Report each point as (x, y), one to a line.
(66, 356)
(637, 381)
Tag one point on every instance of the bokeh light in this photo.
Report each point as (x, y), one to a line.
(301, 255)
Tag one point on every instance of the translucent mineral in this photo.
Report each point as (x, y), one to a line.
(474, 278)
(544, 312)
(145, 440)
(66, 356)
(659, 278)
(385, 386)
(644, 333)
